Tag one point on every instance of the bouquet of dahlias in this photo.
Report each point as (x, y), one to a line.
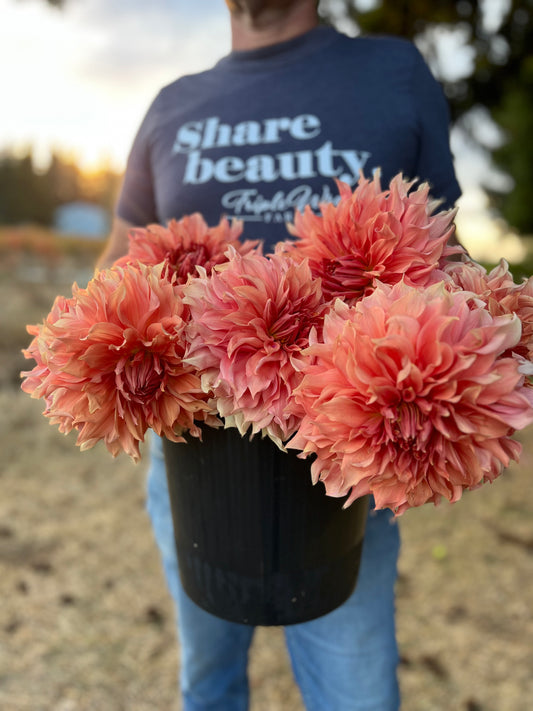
(368, 342)
(111, 359)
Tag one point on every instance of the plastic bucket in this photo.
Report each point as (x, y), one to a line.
(257, 543)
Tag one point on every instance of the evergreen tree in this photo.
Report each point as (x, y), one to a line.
(498, 75)
(31, 195)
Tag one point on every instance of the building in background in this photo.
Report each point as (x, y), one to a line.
(82, 218)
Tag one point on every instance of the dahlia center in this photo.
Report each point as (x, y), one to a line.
(141, 377)
(184, 264)
(406, 428)
(289, 328)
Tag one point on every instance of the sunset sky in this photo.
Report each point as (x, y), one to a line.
(80, 79)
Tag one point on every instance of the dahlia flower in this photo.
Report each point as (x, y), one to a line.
(373, 235)
(410, 397)
(249, 323)
(110, 361)
(184, 244)
(501, 295)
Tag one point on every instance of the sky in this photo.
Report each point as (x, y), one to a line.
(80, 79)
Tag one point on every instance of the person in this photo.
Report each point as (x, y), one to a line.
(292, 107)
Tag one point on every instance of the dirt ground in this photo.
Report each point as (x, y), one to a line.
(86, 623)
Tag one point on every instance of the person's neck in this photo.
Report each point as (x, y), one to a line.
(271, 27)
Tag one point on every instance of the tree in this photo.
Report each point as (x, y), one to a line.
(24, 195)
(56, 3)
(498, 74)
(514, 114)
(30, 195)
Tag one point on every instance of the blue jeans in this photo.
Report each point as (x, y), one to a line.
(343, 661)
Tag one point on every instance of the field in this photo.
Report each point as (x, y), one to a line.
(86, 624)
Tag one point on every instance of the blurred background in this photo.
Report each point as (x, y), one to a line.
(86, 624)
(78, 75)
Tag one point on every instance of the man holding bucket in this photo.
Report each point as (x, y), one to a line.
(294, 106)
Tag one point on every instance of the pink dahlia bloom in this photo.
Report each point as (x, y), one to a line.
(249, 324)
(373, 235)
(184, 244)
(410, 398)
(110, 361)
(501, 295)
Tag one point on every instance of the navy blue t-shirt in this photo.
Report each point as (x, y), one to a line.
(266, 131)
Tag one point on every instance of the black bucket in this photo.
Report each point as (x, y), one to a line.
(257, 543)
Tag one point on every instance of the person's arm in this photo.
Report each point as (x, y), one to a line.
(117, 244)
(435, 160)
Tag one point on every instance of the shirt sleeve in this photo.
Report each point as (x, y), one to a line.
(435, 160)
(136, 202)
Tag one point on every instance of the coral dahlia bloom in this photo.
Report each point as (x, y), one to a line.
(110, 361)
(249, 324)
(373, 235)
(184, 244)
(501, 295)
(410, 398)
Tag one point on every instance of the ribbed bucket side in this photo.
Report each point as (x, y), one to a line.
(257, 543)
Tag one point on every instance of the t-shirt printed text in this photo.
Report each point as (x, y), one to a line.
(195, 139)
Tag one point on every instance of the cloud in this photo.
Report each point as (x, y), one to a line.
(136, 41)
(81, 78)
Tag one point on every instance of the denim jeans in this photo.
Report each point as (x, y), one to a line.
(343, 661)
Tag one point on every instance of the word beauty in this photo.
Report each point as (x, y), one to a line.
(196, 137)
